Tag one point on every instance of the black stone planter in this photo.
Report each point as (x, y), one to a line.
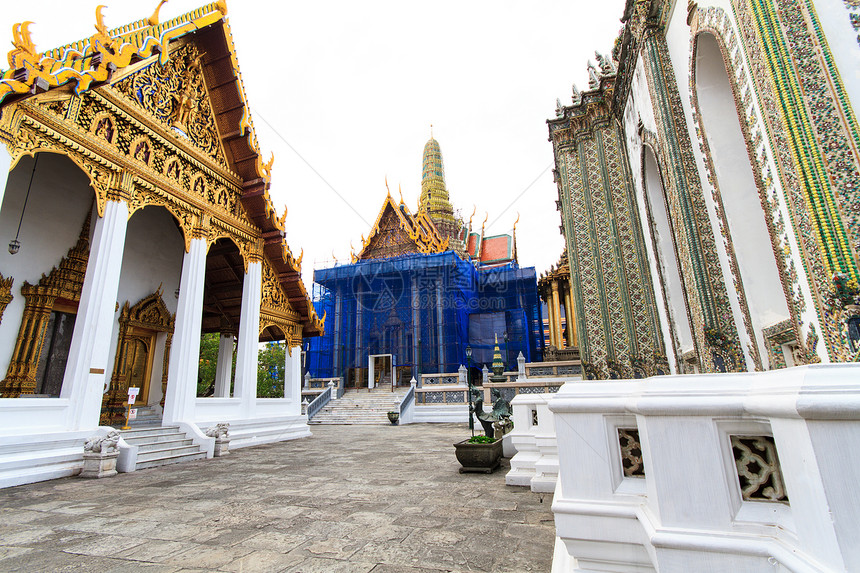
(393, 417)
(483, 458)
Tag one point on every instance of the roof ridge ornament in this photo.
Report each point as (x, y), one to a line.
(153, 20)
(606, 64)
(593, 76)
(577, 95)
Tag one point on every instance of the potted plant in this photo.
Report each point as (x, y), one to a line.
(479, 454)
(483, 453)
(393, 417)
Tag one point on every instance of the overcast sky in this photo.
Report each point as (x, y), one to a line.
(344, 94)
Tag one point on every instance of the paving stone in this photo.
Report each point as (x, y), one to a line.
(349, 499)
(263, 561)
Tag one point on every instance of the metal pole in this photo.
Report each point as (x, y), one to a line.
(469, 384)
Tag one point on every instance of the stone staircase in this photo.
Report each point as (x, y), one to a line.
(361, 407)
(147, 417)
(161, 445)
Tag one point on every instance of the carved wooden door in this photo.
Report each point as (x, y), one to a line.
(138, 364)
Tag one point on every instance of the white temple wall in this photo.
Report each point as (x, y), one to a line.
(639, 111)
(152, 256)
(844, 46)
(749, 234)
(59, 200)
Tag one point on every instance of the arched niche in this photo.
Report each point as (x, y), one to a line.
(51, 199)
(669, 284)
(759, 300)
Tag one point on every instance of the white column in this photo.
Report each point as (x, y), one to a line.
(185, 352)
(5, 166)
(293, 379)
(84, 380)
(224, 368)
(245, 386)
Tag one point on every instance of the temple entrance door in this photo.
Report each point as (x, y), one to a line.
(381, 370)
(138, 362)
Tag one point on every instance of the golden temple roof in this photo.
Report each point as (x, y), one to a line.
(98, 60)
(397, 231)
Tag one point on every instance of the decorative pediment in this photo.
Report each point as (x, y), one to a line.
(150, 313)
(273, 297)
(175, 94)
(398, 232)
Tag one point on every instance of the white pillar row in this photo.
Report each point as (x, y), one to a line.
(185, 352)
(245, 386)
(5, 166)
(224, 368)
(84, 380)
(293, 379)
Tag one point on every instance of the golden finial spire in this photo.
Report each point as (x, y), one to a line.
(400, 190)
(431, 131)
(386, 186)
(515, 222)
(487, 216)
(474, 210)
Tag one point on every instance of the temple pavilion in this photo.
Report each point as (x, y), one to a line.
(423, 286)
(135, 205)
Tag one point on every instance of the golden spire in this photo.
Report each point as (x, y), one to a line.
(400, 190)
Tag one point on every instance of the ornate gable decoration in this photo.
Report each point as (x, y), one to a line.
(175, 93)
(398, 232)
(273, 297)
(150, 312)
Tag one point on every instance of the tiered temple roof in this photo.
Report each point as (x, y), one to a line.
(95, 61)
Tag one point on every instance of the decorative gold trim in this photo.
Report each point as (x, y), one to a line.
(144, 319)
(5, 293)
(64, 282)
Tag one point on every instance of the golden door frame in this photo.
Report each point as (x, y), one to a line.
(144, 320)
(59, 290)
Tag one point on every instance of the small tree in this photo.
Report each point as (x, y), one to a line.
(270, 370)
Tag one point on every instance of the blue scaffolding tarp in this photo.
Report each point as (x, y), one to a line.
(423, 310)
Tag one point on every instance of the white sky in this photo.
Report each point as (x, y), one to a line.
(352, 88)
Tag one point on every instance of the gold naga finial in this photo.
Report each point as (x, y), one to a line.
(474, 210)
(100, 21)
(487, 216)
(221, 6)
(362, 239)
(386, 186)
(283, 217)
(517, 221)
(301, 256)
(153, 20)
(25, 49)
(400, 190)
(267, 167)
(334, 258)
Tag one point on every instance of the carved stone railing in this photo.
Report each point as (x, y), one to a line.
(444, 379)
(535, 464)
(318, 403)
(746, 472)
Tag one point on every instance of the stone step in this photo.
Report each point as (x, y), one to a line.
(166, 453)
(150, 446)
(170, 460)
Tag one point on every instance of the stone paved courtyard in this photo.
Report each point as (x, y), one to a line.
(386, 499)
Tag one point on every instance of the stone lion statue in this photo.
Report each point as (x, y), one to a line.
(102, 444)
(220, 432)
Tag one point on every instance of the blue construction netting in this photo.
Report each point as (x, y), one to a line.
(422, 310)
